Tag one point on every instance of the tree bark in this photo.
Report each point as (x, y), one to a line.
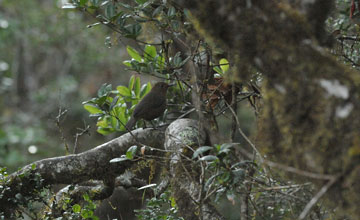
(182, 138)
(93, 164)
(311, 101)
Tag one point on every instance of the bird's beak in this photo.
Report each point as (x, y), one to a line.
(171, 84)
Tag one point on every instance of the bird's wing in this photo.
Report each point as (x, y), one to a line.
(153, 101)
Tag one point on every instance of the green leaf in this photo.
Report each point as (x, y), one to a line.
(93, 25)
(225, 177)
(76, 208)
(145, 89)
(209, 181)
(140, 19)
(134, 54)
(225, 148)
(218, 70)
(86, 197)
(114, 123)
(69, 6)
(104, 90)
(33, 166)
(157, 11)
(114, 102)
(83, 2)
(171, 12)
(150, 52)
(95, 3)
(137, 87)
(133, 30)
(201, 150)
(86, 213)
(104, 3)
(175, 25)
(125, 5)
(147, 186)
(130, 153)
(119, 159)
(140, 2)
(102, 123)
(131, 82)
(105, 131)
(160, 62)
(120, 112)
(177, 59)
(224, 65)
(124, 91)
(209, 158)
(238, 175)
(110, 11)
(93, 109)
(100, 101)
(243, 163)
(172, 202)
(127, 63)
(96, 115)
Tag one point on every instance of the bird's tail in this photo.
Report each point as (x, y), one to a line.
(131, 123)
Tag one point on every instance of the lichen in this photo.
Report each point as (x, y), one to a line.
(301, 124)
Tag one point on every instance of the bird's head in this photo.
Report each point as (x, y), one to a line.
(161, 87)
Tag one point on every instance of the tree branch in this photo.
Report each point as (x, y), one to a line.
(179, 137)
(93, 164)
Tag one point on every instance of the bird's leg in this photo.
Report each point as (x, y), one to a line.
(153, 125)
(144, 124)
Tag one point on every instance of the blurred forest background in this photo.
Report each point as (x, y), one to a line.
(49, 60)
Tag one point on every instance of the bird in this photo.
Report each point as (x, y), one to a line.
(151, 106)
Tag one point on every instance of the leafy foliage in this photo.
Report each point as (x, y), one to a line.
(110, 107)
(71, 210)
(228, 180)
(37, 192)
(162, 208)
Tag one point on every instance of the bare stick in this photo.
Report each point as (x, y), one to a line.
(316, 198)
(289, 169)
(244, 135)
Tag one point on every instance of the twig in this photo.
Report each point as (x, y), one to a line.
(316, 198)
(58, 122)
(285, 187)
(256, 209)
(235, 106)
(128, 129)
(186, 113)
(83, 131)
(245, 137)
(348, 38)
(289, 169)
(237, 101)
(299, 172)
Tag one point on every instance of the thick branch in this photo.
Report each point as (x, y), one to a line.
(93, 164)
(182, 136)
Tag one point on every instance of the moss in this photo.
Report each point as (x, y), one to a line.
(299, 124)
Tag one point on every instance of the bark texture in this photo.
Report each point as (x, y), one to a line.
(181, 137)
(90, 165)
(311, 101)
